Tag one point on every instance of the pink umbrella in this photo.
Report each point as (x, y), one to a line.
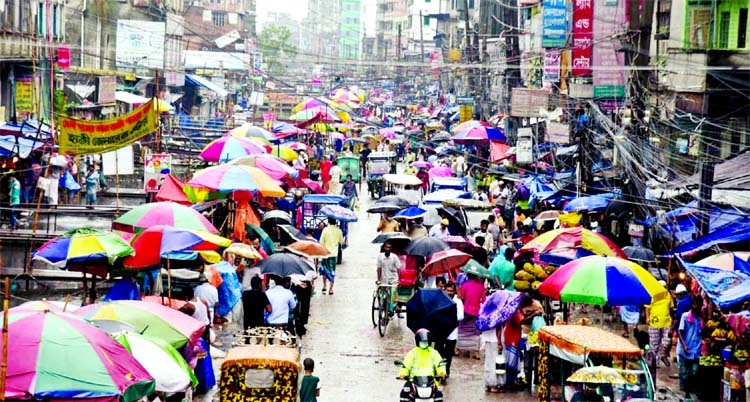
(272, 165)
(297, 146)
(387, 133)
(313, 186)
(445, 261)
(337, 136)
(230, 147)
(421, 165)
(440, 171)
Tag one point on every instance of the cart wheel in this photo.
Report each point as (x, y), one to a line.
(375, 309)
(383, 316)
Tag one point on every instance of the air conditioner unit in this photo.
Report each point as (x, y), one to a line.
(60, 83)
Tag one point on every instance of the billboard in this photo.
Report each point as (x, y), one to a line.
(140, 44)
(583, 30)
(528, 102)
(609, 74)
(554, 23)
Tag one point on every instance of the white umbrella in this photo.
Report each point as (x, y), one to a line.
(162, 361)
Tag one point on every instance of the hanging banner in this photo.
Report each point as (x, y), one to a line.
(155, 167)
(609, 64)
(24, 96)
(552, 65)
(583, 32)
(555, 23)
(83, 137)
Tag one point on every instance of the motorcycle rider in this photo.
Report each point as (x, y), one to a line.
(423, 360)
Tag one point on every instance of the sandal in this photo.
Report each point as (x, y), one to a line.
(330, 292)
(625, 335)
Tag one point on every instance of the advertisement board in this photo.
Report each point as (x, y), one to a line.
(24, 96)
(609, 72)
(583, 38)
(107, 88)
(140, 44)
(552, 60)
(528, 102)
(554, 23)
(155, 167)
(524, 146)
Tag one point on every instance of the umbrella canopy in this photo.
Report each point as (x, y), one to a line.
(318, 114)
(45, 305)
(382, 208)
(296, 145)
(549, 215)
(171, 189)
(637, 253)
(81, 246)
(426, 246)
(228, 148)
(59, 356)
(228, 178)
(399, 240)
(243, 250)
(339, 213)
(285, 153)
(603, 280)
(161, 360)
(587, 203)
(421, 165)
(461, 243)
(289, 234)
(283, 265)
(151, 319)
(248, 130)
(265, 240)
(571, 243)
(411, 213)
(445, 261)
(158, 241)
(478, 133)
(732, 261)
(272, 165)
(432, 309)
(598, 375)
(309, 249)
(440, 171)
(313, 186)
(162, 213)
(498, 308)
(475, 268)
(469, 124)
(276, 217)
(394, 200)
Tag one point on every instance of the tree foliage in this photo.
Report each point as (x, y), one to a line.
(275, 42)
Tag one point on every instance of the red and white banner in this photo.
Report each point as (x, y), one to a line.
(583, 35)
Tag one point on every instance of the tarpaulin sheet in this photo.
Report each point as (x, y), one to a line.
(730, 233)
(230, 290)
(724, 288)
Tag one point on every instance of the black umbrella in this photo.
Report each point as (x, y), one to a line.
(399, 240)
(395, 200)
(283, 265)
(426, 246)
(441, 136)
(455, 218)
(432, 309)
(380, 208)
(276, 217)
(637, 253)
(289, 234)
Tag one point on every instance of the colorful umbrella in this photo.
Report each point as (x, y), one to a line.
(285, 153)
(498, 308)
(265, 240)
(313, 186)
(445, 261)
(309, 249)
(603, 280)
(243, 250)
(151, 319)
(272, 165)
(228, 178)
(228, 148)
(571, 243)
(281, 128)
(45, 305)
(440, 171)
(81, 246)
(339, 213)
(478, 133)
(248, 130)
(162, 213)
(421, 165)
(58, 356)
(475, 268)
(598, 375)
(461, 243)
(589, 203)
(165, 301)
(470, 124)
(296, 145)
(318, 114)
(410, 213)
(158, 241)
(283, 265)
(161, 360)
(426, 246)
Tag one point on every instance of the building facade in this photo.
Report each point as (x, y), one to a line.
(351, 30)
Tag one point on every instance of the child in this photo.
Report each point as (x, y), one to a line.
(310, 389)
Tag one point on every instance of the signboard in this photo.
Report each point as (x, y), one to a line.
(528, 102)
(84, 137)
(256, 98)
(583, 30)
(609, 71)
(465, 100)
(257, 61)
(106, 90)
(118, 162)
(465, 112)
(24, 96)
(228, 38)
(524, 146)
(155, 167)
(140, 44)
(552, 65)
(558, 133)
(555, 23)
(63, 58)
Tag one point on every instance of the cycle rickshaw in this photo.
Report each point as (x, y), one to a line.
(388, 296)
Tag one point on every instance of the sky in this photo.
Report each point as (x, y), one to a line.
(297, 8)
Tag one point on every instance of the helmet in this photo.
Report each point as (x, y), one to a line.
(680, 289)
(422, 335)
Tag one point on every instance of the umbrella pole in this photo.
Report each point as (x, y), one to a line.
(4, 367)
(169, 281)
(85, 288)
(67, 300)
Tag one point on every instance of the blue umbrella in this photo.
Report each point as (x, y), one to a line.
(497, 309)
(587, 203)
(432, 309)
(339, 213)
(411, 213)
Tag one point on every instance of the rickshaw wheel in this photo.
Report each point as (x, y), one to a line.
(375, 313)
(383, 315)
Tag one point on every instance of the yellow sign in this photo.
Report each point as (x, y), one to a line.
(24, 96)
(465, 112)
(83, 137)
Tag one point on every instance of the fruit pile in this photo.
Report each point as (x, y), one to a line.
(741, 354)
(711, 361)
(532, 276)
(719, 332)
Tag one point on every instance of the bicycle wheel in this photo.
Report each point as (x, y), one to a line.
(375, 309)
(383, 315)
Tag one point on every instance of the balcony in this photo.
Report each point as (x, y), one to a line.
(16, 46)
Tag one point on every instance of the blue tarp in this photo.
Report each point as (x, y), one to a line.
(230, 290)
(323, 199)
(729, 233)
(724, 288)
(123, 289)
(682, 222)
(589, 203)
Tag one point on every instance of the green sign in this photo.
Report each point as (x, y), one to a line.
(609, 91)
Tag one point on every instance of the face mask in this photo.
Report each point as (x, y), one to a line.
(424, 344)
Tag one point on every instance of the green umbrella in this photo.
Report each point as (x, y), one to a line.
(475, 268)
(265, 240)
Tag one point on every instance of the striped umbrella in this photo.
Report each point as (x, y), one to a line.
(162, 213)
(230, 147)
(228, 178)
(81, 246)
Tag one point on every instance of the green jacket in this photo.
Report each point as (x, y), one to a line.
(422, 363)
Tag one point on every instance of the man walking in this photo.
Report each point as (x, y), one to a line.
(14, 200)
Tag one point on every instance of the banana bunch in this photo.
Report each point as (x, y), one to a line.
(731, 336)
(711, 361)
(720, 333)
(535, 285)
(550, 269)
(712, 324)
(741, 354)
(521, 286)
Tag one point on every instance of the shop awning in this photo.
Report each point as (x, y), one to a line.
(724, 288)
(202, 82)
(130, 98)
(13, 145)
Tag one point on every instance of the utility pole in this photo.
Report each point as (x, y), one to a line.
(421, 37)
(398, 49)
(467, 46)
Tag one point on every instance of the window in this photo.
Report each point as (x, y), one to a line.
(44, 22)
(742, 29)
(699, 27)
(425, 20)
(724, 29)
(218, 18)
(663, 13)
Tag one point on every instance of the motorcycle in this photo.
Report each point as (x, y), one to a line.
(423, 388)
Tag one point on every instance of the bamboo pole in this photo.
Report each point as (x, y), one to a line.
(4, 367)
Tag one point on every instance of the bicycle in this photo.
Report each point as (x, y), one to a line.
(383, 307)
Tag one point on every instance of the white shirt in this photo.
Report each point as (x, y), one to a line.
(437, 231)
(208, 292)
(282, 300)
(201, 312)
(388, 267)
(460, 164)
(459, 314)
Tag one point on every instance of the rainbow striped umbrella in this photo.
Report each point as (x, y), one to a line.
(57, 356)
(81, 246)
(228, 177)
(230, 147)
(567, 244)
(603, 280)
(274, 166)
(159, 241)
(162, 213)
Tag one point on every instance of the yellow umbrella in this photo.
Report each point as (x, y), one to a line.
(162, 106)
(598, 375)
(320, 127)
(243, 250)
(284, 152)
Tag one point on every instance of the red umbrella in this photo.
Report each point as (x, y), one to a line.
(445, 261)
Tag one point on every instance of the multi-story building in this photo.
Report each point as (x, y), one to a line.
(392, 26)
(350, 29)
(323, 36)
(217, 25)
